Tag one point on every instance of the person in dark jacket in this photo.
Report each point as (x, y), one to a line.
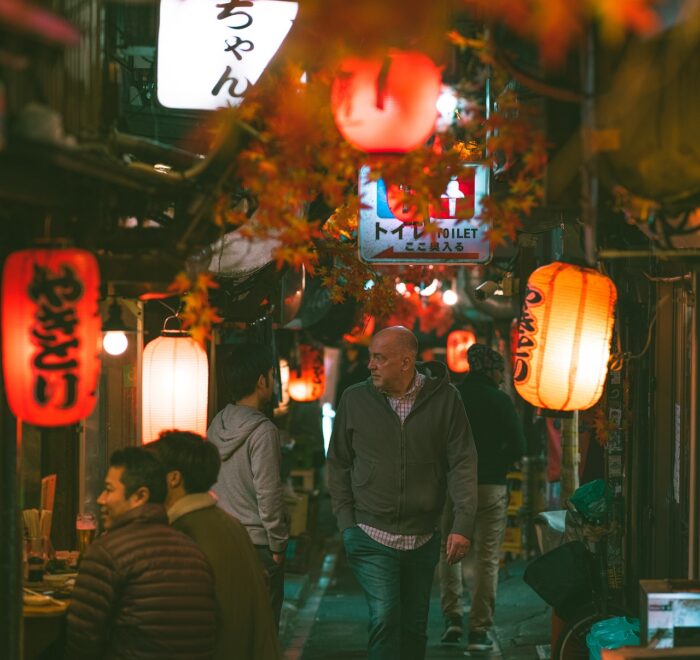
(247, 629)
(249, 485)
(499, 442)
(399, 441)
(144, 590)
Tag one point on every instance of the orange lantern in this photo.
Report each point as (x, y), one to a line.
(51, 331)
(458, 343)
(175, 385)
(386, 106)
(308, 380)
(564, 336)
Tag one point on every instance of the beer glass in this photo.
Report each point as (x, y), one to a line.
(86, 528)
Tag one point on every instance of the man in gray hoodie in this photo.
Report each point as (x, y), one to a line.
(249, 486)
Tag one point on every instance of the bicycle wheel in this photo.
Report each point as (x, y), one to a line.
(571, 643)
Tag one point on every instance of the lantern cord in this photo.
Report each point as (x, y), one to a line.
(618, 359)
(676, 278)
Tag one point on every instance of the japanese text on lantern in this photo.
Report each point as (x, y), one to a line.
(236, 45)
(527, 330)
(57, 358)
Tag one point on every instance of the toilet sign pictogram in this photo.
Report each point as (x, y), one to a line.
(460, 239)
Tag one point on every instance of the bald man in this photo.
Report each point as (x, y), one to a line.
(400, 440)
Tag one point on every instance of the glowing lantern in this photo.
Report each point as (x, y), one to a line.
(308, 380)
(458, 343)
(564, 337)
(175, 385)
(51, 331)
(387, 106)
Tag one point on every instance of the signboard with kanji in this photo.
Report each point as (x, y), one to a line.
(211, 51)
(386, 236)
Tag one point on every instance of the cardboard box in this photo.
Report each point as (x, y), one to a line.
(298, 507)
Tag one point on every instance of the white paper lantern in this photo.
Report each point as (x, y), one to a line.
(175, 385)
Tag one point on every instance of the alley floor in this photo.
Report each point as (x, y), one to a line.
(331, 624)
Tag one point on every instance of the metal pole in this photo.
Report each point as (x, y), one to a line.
(693, 514)
(10, 533)
(569, 456)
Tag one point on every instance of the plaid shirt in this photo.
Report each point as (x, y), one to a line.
(402, 406)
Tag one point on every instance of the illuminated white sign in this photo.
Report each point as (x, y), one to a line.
(460, 239)
(210, 52)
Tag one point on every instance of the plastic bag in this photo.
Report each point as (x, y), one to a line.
(592, 500)
(563, 577)
(611, 634)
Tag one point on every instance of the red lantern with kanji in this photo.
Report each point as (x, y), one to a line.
(458, 343)
(564, 334)
(389, 105)
(308, 379)
(51, 331)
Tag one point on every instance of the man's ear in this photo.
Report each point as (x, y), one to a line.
(174, 478)
(140, 496)
(262, 381)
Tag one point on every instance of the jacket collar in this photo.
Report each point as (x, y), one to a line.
(190, 503)
(146, 513)
(481, 379)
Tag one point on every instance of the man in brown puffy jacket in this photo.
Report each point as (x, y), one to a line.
(144, 589)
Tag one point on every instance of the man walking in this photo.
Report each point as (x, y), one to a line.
(400, 439)
(246, 627)
(499, 443)
(249, 485)
(144, 590)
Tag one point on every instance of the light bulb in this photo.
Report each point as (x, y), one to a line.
(115, 342)
(449, 297)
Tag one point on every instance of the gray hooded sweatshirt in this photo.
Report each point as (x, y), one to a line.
(249, 485)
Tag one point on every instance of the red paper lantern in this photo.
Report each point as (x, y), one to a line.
(458, 343)
(51, 331)
(386, 106)
(308, 380)
(564, 337)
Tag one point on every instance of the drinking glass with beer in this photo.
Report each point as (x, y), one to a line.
(86, 528)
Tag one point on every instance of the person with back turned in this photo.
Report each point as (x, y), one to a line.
(246, 626)
(500, 442)
(249, 486)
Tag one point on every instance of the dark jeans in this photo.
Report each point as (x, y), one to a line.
(274, 577)
(397, 586)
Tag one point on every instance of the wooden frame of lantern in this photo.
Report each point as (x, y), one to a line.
(458, 343)
(307, 379)
(51, 332)
(564, 337)
(389, 105)
(175, 385)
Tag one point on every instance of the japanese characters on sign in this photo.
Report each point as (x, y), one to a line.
(51, 330)
(460, 239)
(210, 52)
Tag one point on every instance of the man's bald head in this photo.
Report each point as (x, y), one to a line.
(401, 338)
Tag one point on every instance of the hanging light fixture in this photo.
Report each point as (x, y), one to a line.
(114, 340)
(175, 385)
(51, 334)
(458, 343)
(386, 105)
(564, 334)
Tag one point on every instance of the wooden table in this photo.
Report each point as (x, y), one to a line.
(43, 625)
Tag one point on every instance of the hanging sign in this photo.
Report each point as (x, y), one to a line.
(50, 335)
(386, 235)
(210, 52)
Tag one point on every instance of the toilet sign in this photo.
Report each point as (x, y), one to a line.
(460, 239)
(210, 52)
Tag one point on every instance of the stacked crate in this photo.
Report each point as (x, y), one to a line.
(513, 538)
